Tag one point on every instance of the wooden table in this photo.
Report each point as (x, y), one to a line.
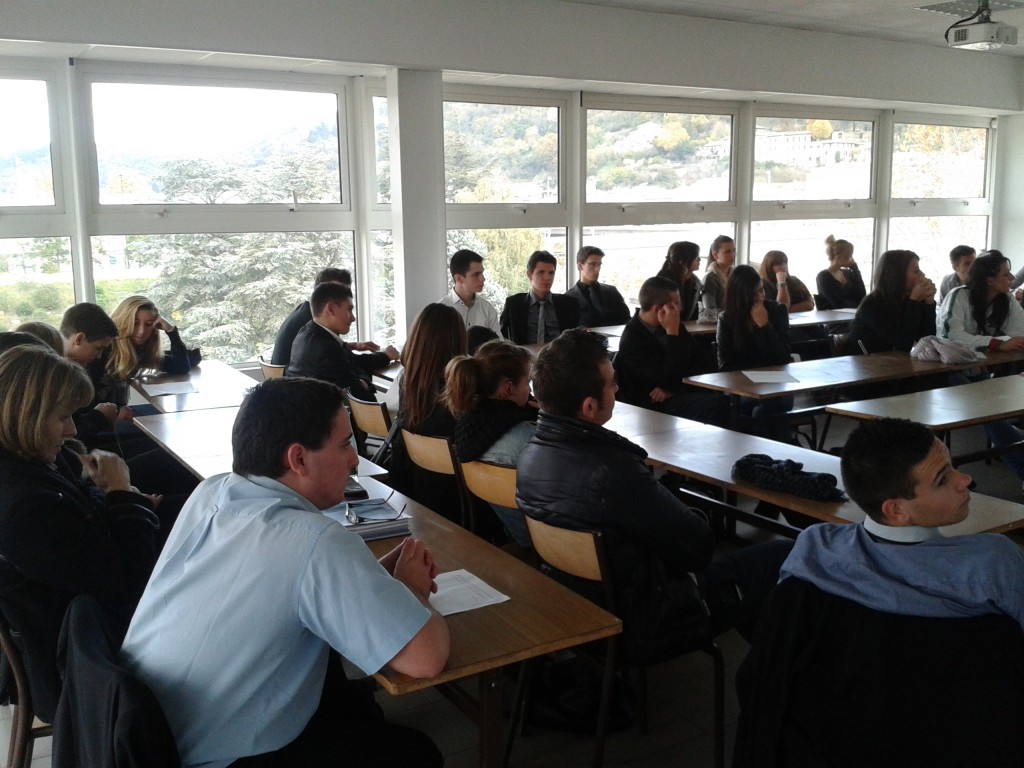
(541, 617)
(201, 440)
(633, 422)
(215, 385)
(796, 320)
(707, 453)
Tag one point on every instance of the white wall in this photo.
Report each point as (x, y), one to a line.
(538, 37)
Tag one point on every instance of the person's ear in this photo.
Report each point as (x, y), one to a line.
(77, 339)
(894, 512)
(295, 459)
(588, 408)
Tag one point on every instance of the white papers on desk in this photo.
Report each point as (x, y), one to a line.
(170, 388)
(459, 591)
(769, 377)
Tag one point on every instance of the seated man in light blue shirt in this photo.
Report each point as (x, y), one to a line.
(898, 560)
(255, 587)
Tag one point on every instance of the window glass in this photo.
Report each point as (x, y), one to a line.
(797, 158)
(26, 171)
(938, 161)
(214, 145)
(634, 253)
(933, 237)
(35, 280)
(228, 292)
(500, 153)
(382, 147)
(803, 241)
(505, 253)
(382, 264)
(657, 156)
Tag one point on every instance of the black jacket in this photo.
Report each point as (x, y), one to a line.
(286, 334)
(647, 360)
(841, 295)
(581, 476)
(318, 354)
(881, 327)
(111, 390)
(829, 682)
(60, 537)
(610, 308)
(513, 315)
(761, 347)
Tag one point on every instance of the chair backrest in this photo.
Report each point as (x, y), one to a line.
(271, 371)
(23, 730)
(492, 483)
(371, 418)
(577, 553)
(820, 302)
(433, 454)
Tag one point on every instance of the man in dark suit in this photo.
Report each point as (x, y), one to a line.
(600, 304)
(656, 352)
(302, 314)
(319, 352)
(538, 316)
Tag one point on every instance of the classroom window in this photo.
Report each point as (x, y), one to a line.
(382, 280)
(933, 237)
(934, 161)
(26, 169)
(500, 153)
(505, 253)
(382, 149)
(228, 292)
(803, 158)
(635, 253)
(803, 241)
(35, 280)
(208, 145)
(657, 156)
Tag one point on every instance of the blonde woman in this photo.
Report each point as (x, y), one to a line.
(69, 524)
(841, 285)
(137, 348)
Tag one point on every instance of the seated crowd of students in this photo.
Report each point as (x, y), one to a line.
(106, 513)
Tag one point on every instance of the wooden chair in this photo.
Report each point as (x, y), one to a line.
(492, 483)
(582, 554)
(371, 420)
(435, 454)
(271, 371)
(25, 727)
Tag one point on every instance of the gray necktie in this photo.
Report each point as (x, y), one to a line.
(542, 329)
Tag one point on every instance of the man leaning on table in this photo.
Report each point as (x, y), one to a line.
(255, 587)
(576, 474)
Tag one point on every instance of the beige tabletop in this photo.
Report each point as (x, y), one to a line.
(211, 384)
(708, 453)
(796, 320)
(632, 421)
(541, 617)
(947, 407)
(201, 440)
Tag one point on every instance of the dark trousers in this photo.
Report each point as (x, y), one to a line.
(348, 729)
(737, 583)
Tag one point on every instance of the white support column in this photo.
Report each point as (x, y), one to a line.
(417, 190)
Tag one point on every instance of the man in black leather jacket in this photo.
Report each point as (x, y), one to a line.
(576, 474)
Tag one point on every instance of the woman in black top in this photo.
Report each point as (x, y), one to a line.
(680, 266)
(840, 286)
(899, 311)
(752, 333)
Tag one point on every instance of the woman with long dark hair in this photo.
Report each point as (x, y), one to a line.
(982, 315)
(752, 333)
(899, 311)
(681, 264)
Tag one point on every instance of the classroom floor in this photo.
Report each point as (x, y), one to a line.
(680, 721)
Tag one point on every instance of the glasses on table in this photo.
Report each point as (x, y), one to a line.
(377, 515)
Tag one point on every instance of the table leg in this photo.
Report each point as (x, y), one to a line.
(734, 411)
(492, 724)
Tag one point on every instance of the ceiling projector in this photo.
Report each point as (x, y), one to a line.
(982, 36)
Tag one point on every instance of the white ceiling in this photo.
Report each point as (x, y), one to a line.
(885, 19)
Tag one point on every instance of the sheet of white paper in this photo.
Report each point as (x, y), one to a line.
(170, 388)
(769, 377)
(847, 310)
(459, 591)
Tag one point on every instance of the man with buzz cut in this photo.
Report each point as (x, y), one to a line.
(257, 592)
(467, 268)
(320, 353)
(898, 560)
(600, 304)
(538, 316)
